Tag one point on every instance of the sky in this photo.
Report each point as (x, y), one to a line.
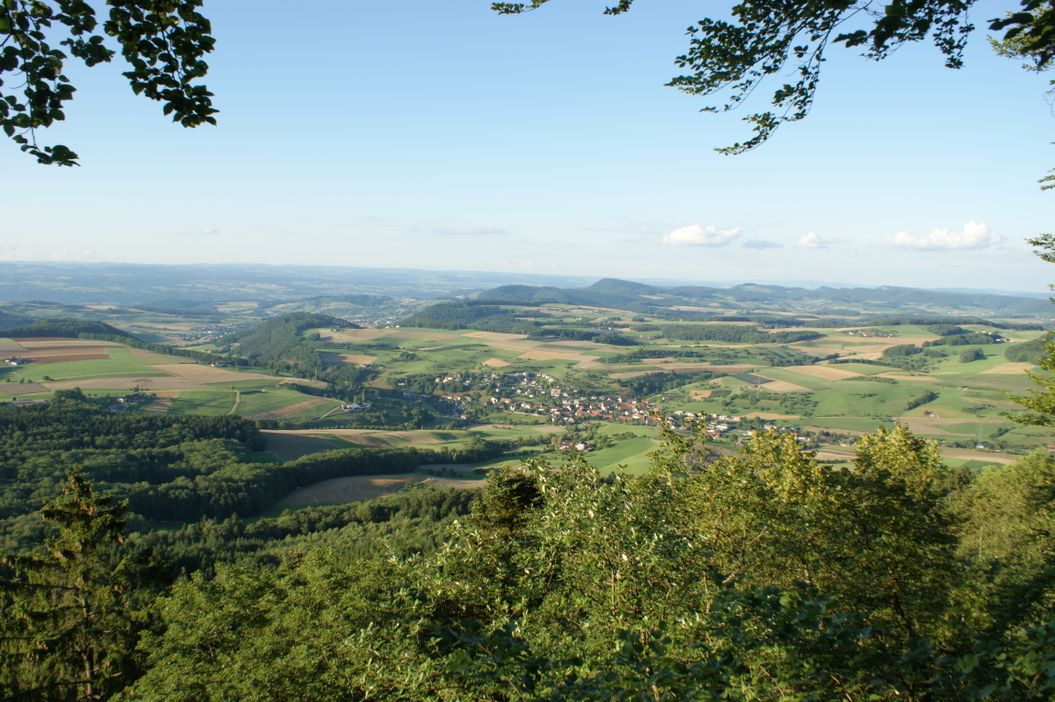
(438, 135)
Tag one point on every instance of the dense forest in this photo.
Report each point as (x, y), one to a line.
(761, 575)
(734, 333)
(474, 314)
(66, 327)
(167, 468)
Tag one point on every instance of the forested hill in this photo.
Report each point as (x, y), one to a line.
(621, 294)
(278, 339)
(9, 320)
(66, 327)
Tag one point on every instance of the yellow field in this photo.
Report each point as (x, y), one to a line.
(295, 408)
(782, 386)
(365, 437)
(824, 372)
(360, 359)
(936, 425)
(1008, 369)
(910, 378)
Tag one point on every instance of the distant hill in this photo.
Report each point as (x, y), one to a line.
(9, 320)
(761, 299)
(280, 338)
(66, 327)
(472, 314)
(185, 308)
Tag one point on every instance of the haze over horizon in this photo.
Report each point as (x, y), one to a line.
(544, 144)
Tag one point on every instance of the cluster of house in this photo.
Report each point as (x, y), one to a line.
(130, 401)
(355, 406)
(871, 333)
(540, 395)
(714, 425)
(205, 335)
(17, 361)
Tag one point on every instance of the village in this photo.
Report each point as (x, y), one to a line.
(542, 395)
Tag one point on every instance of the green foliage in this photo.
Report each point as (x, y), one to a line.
(1039, 403)
(971, 355)
(66, 327)
(759, 576)
(1027, 352)
(735, 333)
(473, 315)
(279, 339)
(922, 399)
(1008, 516)
(70, 621)
(163, 43)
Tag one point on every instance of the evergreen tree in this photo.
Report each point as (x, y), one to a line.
(69, 627)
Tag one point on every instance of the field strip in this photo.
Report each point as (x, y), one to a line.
(21, 388)
(985, 456)
(42, 359)
(354, 335)
(1008, 369)
(366, 437)
(294, 408)
(207, 375)
(825, 372)
(360, 359)
(634, 371)
(494, 336)
(69, 351)
(937, 425)
(154, 357)
(781, 386)
(51, 343)
(10, 346)
(338, 490)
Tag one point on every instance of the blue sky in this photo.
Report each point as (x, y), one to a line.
(437, 135)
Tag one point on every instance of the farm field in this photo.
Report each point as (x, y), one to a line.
(958, 403)
(179, 386)
(585, 386)
(366, 487)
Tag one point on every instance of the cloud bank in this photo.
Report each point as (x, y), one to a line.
(696, 235)
(974, 235)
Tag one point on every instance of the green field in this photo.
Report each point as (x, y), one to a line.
(794, 385)
(120, 364)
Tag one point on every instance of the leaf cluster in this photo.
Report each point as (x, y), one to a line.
(164, 43)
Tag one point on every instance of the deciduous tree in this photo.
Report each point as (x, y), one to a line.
(163, 41)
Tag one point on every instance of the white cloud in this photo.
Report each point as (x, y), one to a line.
(696, 235)
(809, 240)
(975, 235)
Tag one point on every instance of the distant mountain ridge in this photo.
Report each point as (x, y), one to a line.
(628, 295)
